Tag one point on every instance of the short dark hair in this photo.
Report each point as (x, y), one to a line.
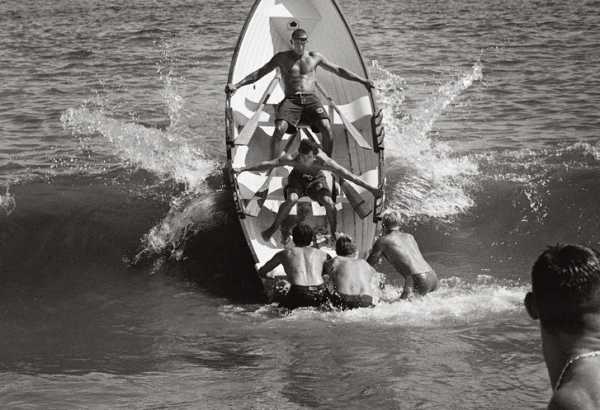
(307, 146)
(299, 33)
(302, 234)
(566, 284)
(344, 246)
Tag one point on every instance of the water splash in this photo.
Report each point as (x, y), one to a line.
(455, 302)
(7, 202)
(157, 151)
(172, 153)
(428, 178)
(188, 215)
(533, 171)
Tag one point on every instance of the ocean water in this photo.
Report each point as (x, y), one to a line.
(125, 281)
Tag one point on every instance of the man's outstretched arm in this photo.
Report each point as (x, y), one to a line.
(255, 76)
(261, 166)
(342, 72)
(270, 265)
(330, 165)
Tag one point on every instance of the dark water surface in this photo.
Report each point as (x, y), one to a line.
(111, 140)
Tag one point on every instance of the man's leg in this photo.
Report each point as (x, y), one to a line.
(325, 130)
(284, 211)
(281, 127)
(326, 201)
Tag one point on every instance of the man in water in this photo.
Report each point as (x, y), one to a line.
(303, 267)
(298, 67)
(307, 178)
(402, 251)
(353, 278)
(565, 297)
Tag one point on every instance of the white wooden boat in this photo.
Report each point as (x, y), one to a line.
(267, 31)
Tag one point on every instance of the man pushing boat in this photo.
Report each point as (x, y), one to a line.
(298, 67)
(307, 179)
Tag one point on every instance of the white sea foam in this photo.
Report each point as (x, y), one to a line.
(171, 153)
(7, 202)
(456, 301)
(429, 180)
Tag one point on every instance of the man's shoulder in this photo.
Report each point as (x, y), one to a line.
(571, 398)
(281, 56)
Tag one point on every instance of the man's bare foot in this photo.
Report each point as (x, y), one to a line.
(267, 233)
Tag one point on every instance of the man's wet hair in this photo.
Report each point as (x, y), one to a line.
(566, 285)
(344, 246)
(299, 33)
(391, 219)
(302, 234)
(307, 146)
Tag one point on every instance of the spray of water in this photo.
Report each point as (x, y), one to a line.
(427, 179)
(456, 301)
(7, 202)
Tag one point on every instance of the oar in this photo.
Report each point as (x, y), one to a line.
(248, 131)
(256, 203)
(354, 133)
(357, 201)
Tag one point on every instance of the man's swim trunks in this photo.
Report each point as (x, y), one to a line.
(344, 301)
(311, 183)
(425, 282)
(303, 296)
(301, 108)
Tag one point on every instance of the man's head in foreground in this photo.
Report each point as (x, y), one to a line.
(565, 288)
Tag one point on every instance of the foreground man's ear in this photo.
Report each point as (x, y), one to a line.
(531, 307)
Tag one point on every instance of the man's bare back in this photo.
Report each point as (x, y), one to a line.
(402, 251)
(303, 266)
(351, 276)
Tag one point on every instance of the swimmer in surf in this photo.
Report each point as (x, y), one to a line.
(565, 297)
(402, 251)
(303, 266)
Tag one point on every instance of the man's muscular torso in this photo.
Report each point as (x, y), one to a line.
(298, 72)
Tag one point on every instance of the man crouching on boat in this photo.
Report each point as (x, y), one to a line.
(307, 179)
(298, 67)
(303, 267)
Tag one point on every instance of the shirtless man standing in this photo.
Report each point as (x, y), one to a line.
(307, 178)
(298, 68)
(402, 251)
(353, 278)
(303, 267)
(565, 297)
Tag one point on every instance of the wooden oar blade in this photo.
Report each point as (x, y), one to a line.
(248, 131)
(360, 205)
(354, 133)
(256, 203)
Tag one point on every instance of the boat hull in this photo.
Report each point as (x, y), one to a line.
(267, 31)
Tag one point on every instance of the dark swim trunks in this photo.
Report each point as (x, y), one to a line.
(312, 184)
(301, 108)
(344, 301)
(304, 296)
(425, 282)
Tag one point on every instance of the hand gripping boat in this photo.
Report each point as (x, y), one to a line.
(357, 130)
